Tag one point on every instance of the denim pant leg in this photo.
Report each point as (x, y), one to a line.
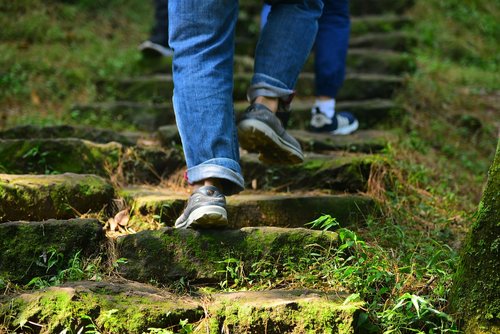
(283, 47)
(159, 33)
(202, 36)
(331, 46)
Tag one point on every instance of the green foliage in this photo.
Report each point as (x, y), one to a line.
(185, 328)
(325, 222)
(75, 269)
(466, 32)
(405, 288)
(52, 53)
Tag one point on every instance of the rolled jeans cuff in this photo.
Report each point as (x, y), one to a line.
(264, 85)
(220, 168)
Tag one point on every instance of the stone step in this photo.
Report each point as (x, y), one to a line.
(378, 24)
(370, 113)
(26, 248)
(134, 308)
(356, 7)
(200, 255)
(159, 88)
(38, 197)
(53, 156)
(151, 205)
(371, 61)
(358, 61)
(401, 41)
(65, 131)
(94, 134)
(336, 171)
(355, 87)
(248, 25)
(379, 61)
(395, 40)
(143, 116)
(364, 141)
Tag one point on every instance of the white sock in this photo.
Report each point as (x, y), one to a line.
(326, 107)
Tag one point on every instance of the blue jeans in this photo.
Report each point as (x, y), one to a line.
(202, 36)
(331, 45)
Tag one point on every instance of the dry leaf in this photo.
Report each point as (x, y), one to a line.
(122, 217)
(112, 225)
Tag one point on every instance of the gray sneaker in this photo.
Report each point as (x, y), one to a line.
(205, 208)
(259, 130)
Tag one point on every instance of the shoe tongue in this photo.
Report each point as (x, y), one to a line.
(258, 106)
(208, 190)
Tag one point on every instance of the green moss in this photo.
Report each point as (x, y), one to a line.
(37, 197)
(43, 156)
(24, 246)
(475, 296)
(169, 254)
(285, 313)
(122, 310)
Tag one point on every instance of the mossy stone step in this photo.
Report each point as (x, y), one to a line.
(130, 164)
(356, 7)
(250, 209)
(332, 172)
(248, 24)
(370, 113)
(142, 116)
(38, 197)
(402, 41)
(27, 247)
(65, 131)
(364, 141)
(134, 308)
(396, 41)
(358, 61)
(199, 255)
(159, 88)
(378, 24)
(371, 61)
(379, 61)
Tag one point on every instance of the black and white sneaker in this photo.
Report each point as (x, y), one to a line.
(260, 131)
(151, 49)
(205, 208)
(342, 123)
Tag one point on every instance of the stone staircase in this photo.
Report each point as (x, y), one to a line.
(60, 184)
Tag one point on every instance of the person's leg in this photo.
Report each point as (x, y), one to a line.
(157, 45)
(283, 47)
(202, 35)
(331, 47)
(159, 33)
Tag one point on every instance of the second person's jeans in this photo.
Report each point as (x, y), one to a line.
(330, 49)
(202, 36)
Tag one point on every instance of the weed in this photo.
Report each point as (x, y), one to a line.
(184, 328)
(76, 269)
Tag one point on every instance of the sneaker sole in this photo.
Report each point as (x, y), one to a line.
(207, 217)
(255, 136)
(347, 130)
